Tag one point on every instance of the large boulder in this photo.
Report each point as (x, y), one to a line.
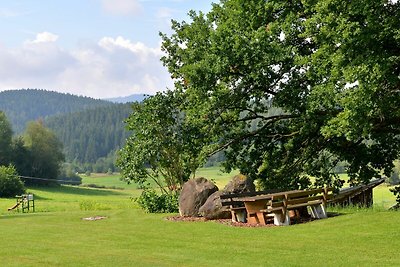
(239, 184)
(193, 195)
(213, 209)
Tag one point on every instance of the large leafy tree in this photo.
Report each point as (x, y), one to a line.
(164, 147)
(293, 87)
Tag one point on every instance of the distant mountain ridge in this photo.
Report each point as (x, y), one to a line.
(21, 106)
(128, 99)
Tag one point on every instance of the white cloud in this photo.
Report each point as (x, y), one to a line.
(45, 37)
(122, 7)
(110, 68)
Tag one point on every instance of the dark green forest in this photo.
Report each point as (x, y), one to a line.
(91, 134)
(22, 106)
(91, 130)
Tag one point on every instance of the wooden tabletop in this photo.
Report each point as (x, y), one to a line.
(267, 196)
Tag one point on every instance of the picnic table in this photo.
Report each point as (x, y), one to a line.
(276, 206)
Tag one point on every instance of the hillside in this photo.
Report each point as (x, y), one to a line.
(26, 105)
(91, 134)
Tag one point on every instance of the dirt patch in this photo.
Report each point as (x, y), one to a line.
(229, 222)
(95, 218)
(178, 218)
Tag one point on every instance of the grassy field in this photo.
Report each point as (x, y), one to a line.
(56, 235)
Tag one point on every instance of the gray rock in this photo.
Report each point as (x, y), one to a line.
(194, 194)
(239, 184)
(213, 209)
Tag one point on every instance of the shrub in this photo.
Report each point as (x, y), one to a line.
(10, 183)
(151, 202)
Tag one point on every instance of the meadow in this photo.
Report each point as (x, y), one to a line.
(56, 235)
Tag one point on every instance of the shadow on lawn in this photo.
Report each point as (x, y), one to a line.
(72, 190)
(20, 215)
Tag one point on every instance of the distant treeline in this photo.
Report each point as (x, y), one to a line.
(22, 106)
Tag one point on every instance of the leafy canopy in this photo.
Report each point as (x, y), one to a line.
(293, 87)
(45, 150)
(164, 147)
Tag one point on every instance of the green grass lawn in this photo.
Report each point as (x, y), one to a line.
(56, 235)
(107, 181)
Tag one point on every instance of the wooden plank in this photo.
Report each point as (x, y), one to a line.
(304, 200)
(254, 198)
(238, 208)
(306, 192)
(249, 194)
(311, 203)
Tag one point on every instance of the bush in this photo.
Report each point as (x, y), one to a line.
(151, 202)
(10, 183)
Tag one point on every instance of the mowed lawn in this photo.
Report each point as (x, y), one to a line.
(56, 235)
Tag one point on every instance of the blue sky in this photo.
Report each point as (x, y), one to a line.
(96, 48)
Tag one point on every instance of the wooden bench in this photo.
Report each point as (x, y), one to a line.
(237, 207)
(281, 203)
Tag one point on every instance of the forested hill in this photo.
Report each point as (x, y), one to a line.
(26, 105)
(91, 134)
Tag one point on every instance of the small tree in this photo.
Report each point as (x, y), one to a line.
(46, 151)
(164, 146)
(10, 183)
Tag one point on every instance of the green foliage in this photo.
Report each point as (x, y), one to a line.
(291, 88)
(22, 106)
(164, 146)
(46, 151)
(151, 202)
(396, 192)
(92, 136)
(394, 178)
(91, 130)
(37, 154)
(5, 139)
(21, 156)
(69, 176)
(10, 184)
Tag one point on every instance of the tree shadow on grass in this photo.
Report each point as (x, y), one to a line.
(73, 190)
(20, 215)
(335, 214)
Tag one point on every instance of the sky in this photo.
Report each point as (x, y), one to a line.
(95, 48)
